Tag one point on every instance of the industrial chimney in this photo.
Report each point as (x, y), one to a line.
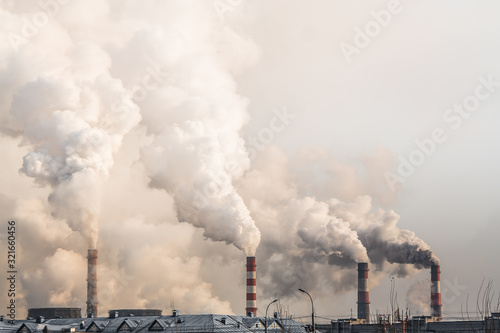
(436, 291)
(92, 284)
(251, 309)
(363, 293)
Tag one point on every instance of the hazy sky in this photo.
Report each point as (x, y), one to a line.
(360, 88)
(395, 91)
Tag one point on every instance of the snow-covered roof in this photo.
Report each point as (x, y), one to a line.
(204, 323)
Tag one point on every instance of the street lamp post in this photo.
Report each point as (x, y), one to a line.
(267, 308)
(312, 311)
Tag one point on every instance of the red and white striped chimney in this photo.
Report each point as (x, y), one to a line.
(436, 291)
(363, 293)
(92, 284)
(251, 309)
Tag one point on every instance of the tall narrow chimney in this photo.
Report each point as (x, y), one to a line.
(92, 284)
(436, 291)
(363, 293)
(251, 309)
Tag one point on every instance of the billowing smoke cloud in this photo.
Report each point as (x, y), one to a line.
(154, 268)
(308, 235)
(197, 152)
(65, 288)
(377, 229)
(417, 298)
(134, 122)
(323, 235)
(73, 115)
(188, 161)
(381, 235)
(73, 90)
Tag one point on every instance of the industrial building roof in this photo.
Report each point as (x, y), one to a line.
(209, 323)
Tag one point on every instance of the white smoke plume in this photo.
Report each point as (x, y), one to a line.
(72, 89)
(73, 116)
(305, 236)
(65, 288)
(417, 297)
(381, 236)
(196, 150)
(325, 235)
(143, 262)
(127, 114)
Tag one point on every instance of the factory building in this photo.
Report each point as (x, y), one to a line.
(175, 323)
(51, 313)
(415, 325)
(211, 323)
(69, 320)
(135, 312)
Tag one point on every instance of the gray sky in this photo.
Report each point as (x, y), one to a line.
(395, 91)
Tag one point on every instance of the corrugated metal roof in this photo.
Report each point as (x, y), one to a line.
(250, 321)
(210, 323)
(99, 325)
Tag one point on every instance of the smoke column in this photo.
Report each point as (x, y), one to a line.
(383, 239)
(73, 117)
(196, 153)
(306, 236)
(436, 291)
(73, 93)
(92, 284)
(363, 293)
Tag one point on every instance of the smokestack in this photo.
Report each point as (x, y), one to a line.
(436, 291)
(92, 284)
(363, 293)
(251, 309)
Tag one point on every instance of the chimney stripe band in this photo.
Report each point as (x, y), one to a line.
(363, 293)
(251, 296)
(436, 291)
